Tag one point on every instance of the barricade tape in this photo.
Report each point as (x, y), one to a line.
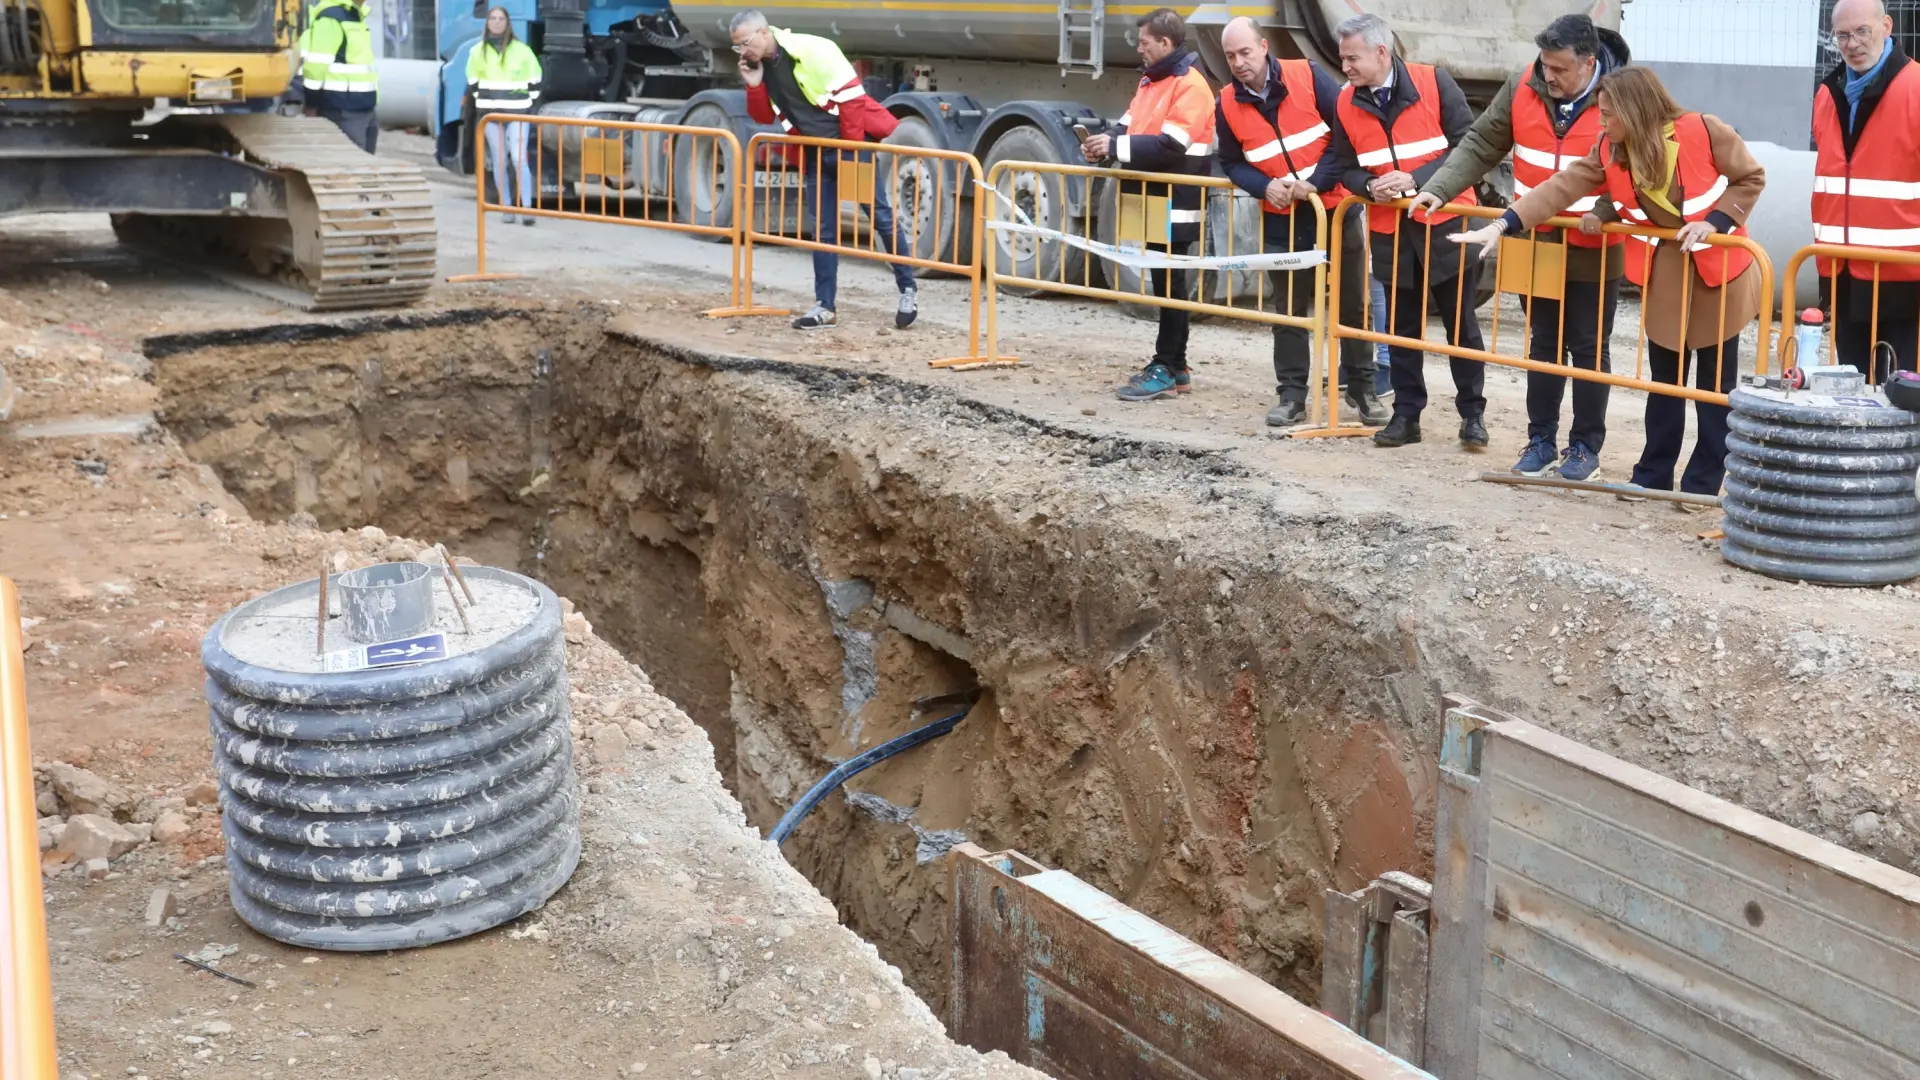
(1141, 259)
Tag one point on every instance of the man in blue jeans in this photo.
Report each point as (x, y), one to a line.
(820, 194)
(806, 84)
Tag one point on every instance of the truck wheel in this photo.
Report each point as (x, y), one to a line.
(1042, 197)
(1120, 278)
(701, 192)
(1236, 233)
(927, 193)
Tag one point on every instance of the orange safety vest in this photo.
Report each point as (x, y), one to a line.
(1539, 151)
(1292, 146)
(1415, 137)
(1696, 172)
(1871, 199)
(1180, 106)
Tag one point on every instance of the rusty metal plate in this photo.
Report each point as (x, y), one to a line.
(1065, 978)
(1636, 928)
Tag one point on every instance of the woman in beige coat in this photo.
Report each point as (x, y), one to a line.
(1663, 167)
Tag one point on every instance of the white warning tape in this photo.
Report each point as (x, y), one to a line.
(1140, 259)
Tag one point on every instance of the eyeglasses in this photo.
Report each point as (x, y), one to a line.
(741, 47)
(1842, 38)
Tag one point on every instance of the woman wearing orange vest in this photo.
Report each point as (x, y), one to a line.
(1669, 169)
(1866, 188)
(1546, 117)
(1167, 129)
(1271, 128)
(1397, 123)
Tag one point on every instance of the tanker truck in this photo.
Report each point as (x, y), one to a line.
(1002, 81)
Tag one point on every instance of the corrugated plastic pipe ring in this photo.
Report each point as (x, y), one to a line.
(392, 808)
(1822, 489)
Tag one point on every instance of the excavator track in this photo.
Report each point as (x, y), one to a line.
(362, 233)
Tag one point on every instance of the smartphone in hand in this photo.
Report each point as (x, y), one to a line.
(1080, 132)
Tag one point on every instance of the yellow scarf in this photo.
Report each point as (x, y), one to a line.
(1659, 194)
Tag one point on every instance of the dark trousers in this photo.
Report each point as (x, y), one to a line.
(820, 196)
(1170, 343)
(358, 125)
(1293, 294)
(1857, 334)
(1581, 340)
(1667, 419)
(1443, 298)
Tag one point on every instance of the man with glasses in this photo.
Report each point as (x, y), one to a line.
(1866, 190)
(806, 84)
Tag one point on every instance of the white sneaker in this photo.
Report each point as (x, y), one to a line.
(909, 308)
(818, 318)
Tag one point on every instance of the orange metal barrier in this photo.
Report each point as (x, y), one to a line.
(1876, 365)
(1071, 262)
(865, 173)
(26, 990)
(693, 189)
(1543, 274)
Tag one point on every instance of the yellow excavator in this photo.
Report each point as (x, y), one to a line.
(162, 113)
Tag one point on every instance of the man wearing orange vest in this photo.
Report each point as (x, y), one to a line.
(1548, 117)
(1398, 121)
(1167, 129)
(1866, 188)
(1272, 126)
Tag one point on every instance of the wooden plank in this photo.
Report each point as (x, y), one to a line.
(1343, 959)
(1636, 927)
(1060, 976)
(1455, 953)
(1407, 986)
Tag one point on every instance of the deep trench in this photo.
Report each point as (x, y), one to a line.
(795, 581)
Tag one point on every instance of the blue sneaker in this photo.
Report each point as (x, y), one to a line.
(1183, 382)
(1579, 463)
(1539, 459)
(1150, 385)
(1382, 381)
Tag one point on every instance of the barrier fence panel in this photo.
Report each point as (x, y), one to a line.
(1888, 341)
(912, 199)
(1122, 244)
(1444, 280)
(26, 992)
(624, 172)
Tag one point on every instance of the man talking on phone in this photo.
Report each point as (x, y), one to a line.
(808, 86)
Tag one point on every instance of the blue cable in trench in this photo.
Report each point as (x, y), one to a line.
(854, 766)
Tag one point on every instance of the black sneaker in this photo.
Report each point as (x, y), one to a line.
(818, 318)
(1400, 431)
(1473, 433)
(1372, 411)
(1287, 414)
(908, 310)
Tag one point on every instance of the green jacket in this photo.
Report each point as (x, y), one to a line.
(503, 80)
(818, 65)
(336, 57)
(1491, 140)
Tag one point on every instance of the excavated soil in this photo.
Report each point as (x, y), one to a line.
(1207, 678)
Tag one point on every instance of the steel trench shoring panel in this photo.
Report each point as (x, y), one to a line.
(1065, 978)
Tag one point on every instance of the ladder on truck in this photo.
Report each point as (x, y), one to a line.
(1083, 29)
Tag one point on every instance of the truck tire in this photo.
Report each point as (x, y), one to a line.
(1122, 278)
(918, 187)
(1043, 198)
(697, 198)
